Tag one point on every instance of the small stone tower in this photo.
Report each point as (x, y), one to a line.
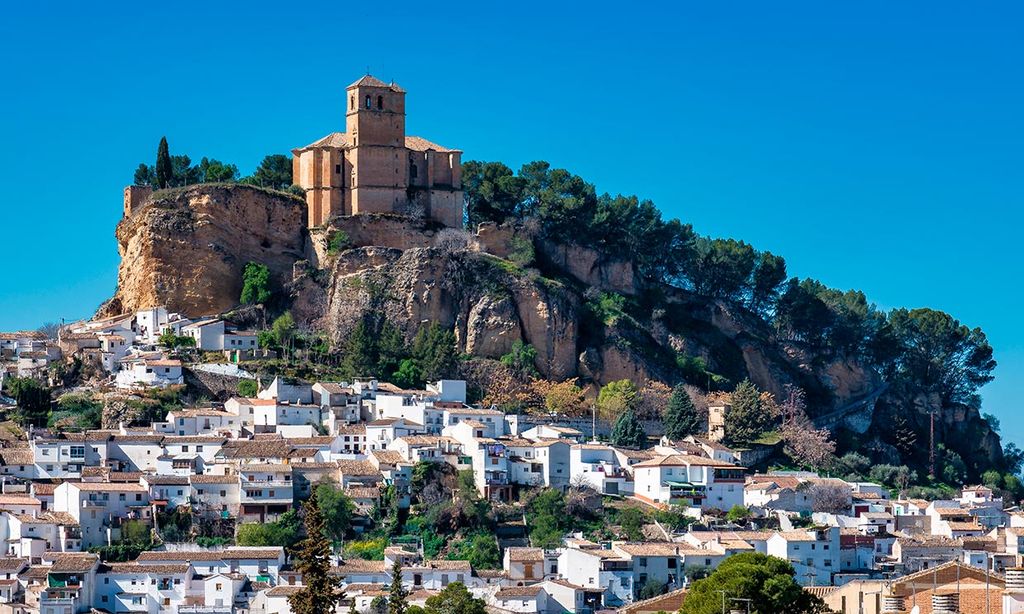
(716, 421)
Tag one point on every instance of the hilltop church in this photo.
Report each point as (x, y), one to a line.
(373, 167)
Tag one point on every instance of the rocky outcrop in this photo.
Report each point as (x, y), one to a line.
(185, 248)
(590, 267)
(489, 305)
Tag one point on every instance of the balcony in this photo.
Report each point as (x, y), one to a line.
(282, 495)
(204, 609)
(246, 483)
(609, 471)
(495, 478)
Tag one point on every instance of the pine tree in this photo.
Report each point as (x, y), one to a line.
(397, 595)
(321, 591)
(746, 420)
(164, 168)
(628, 431)
(681, 417)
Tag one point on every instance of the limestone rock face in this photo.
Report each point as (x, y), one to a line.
(492, 326)
(186, 248)
(590, 267)
(489, 307)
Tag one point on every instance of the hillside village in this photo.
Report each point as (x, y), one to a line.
(164, 455)
(68, 497)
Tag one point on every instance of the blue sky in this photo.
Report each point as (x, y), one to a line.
(875, 146)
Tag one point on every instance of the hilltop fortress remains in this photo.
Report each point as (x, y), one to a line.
(374, 167)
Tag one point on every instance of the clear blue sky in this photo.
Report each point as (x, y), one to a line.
(876, 145)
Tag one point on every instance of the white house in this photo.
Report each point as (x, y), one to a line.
(694, 482)
(598, 465)
(147, 372)
(101, 508)
(814, 553)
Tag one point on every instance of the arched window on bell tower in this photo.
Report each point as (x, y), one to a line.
(352, 103)
(380, 102)
(369, 103)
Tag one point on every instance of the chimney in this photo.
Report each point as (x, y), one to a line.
(946, 603)
(1015, 580)
(892, 604)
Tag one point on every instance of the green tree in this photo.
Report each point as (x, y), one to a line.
(164, 169)
(616, 398)
(284, 328)
(274, 171)
(362, 354)
(632, 521)
(284, 532)
(215, 171)
(737, 513)
(768, 582)
(255, 284)
(480, 549)
(321, 590)
(455, 599)
(628, 431)
(145, 175)
(681, 417)
(768, 279)
(721, 267)
(337, 509)
(32, 400)
(746, 419)
(408, 376)
(248, 388)
(936, 353)
(434, 349)
(652, 588)
(521, 359)
(398, 597)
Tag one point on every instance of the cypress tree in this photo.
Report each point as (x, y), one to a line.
(321, 591)
(746, 420)
(628, 431)
(397, 595)
(164, 168)
(680, 416)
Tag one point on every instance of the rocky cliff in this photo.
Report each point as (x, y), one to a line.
(186, 247)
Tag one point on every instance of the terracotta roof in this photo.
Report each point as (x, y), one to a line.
(227, 554)
(43, 488)
(359, 566)
(357, 467)
(416, 143)
(11, 564)
(683, 460)
(166, 480)
(369, 81)
(525, 554)
(518, 592)
(142, 568)
(18, 500)
(74, 562)
(109, 486)
(352, 429)
(16, 456)
(213, 479)
(171, 440)
(284, 591)
(390, 457)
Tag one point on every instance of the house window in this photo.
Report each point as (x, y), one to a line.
(337, 169)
